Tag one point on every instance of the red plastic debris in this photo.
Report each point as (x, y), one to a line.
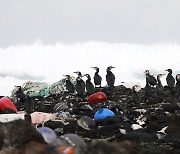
(7, 103)
(98, 97)
(67, 150)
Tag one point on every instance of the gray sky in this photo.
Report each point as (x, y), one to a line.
(69, 21)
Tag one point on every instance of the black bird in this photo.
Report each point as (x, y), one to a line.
(69, 85)
(148, 92)
(170, 79)
(89, 86)
(20, 94)
(135, 95)
(80, 85)
(97, 77)
(177, 87)
(110, 77)
(178, 78)
(151, 80)
(21, 97)
(160, 87)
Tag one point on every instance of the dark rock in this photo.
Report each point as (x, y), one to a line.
(54, 124)
(33, 148)
(170, 107)
(86, 122)
(139, 136)
(156, 115)
(174, 126)
(17, 133)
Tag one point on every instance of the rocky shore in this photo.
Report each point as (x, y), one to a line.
(148, 126)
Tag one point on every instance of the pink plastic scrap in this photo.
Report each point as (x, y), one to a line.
(40, 117)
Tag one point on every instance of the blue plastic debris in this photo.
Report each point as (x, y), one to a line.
(103, 113)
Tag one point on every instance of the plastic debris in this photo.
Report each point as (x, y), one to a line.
(86, 122)
(60, 107)
(67, 150)
(103, 113)
(70, 140)
(43, 89)
(34, 88)
(48, 134)
(40, 117)
(7, 103)
(136, 126)
(64, 116)
(57, 87)
(98, 97)
(11, 117)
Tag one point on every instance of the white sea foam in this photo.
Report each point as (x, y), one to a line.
(48, 62)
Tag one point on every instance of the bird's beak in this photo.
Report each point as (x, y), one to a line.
(145, 72)
(93, 67)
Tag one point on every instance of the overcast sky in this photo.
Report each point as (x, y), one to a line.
(69, 21)
(41, 40)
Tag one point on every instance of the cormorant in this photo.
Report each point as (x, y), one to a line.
(21, 97)
(69, 85)
(80, 85)
(178, 85)
(148, 92)
(20, 94)
(160, 88)
(178, 78)
(29, 104)
(151, 80)
(170, 79)
(89, 86)
(135, 95)
(110, 77)
(24, 99)
(97, 77)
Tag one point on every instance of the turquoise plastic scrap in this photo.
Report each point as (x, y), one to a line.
(36, 88)
(57, 87)
(43, 89)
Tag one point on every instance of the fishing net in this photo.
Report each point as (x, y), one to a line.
(43, 89)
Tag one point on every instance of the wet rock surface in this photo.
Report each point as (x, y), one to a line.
(140, 122)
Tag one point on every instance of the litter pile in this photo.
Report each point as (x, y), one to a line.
(43, 89)
(110, 121)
